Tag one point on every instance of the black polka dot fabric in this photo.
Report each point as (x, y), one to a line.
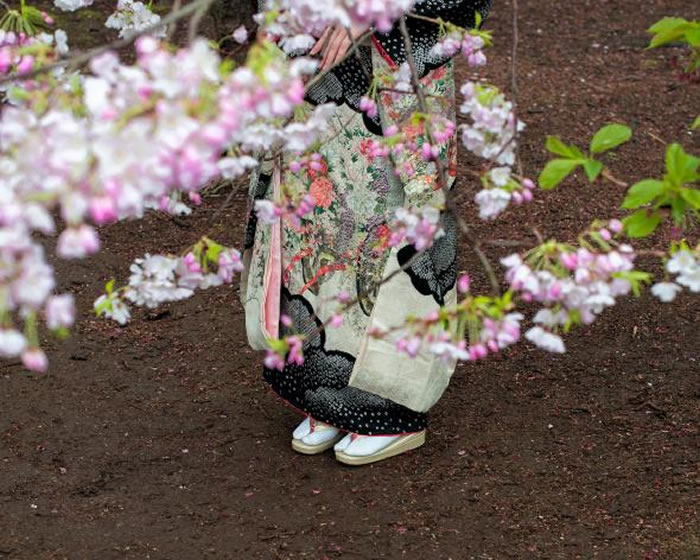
(434, 272)
(259, 192)
(319, 386)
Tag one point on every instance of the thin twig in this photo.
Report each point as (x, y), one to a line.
(442, 175)
(609, 176)
(177, 4)
(514, 84)
(507, 243)
(355, 49)
(196, 20)
(655, 137)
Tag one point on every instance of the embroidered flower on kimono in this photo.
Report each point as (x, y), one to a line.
(317, 167)
(368, 149)
(321, 190)
(383, 238)
(437, 74)
(413, 131)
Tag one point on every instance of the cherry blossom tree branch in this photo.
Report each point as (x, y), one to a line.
(442, 175)
(514, 83)
(82, 58)
(196, 20)
(177, 4)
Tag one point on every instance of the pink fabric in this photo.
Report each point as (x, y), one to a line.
(273, 272)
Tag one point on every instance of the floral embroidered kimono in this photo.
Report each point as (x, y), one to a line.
(350, 379)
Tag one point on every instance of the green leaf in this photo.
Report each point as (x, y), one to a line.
(692, 36)
(681, 167)
(641, 224)
(692, 196)
(666, 24)
(558, 147)
(636, 278)
(668, 30)
(696, 124)
(226, 67)
(109, 287)
(643, 192)
(678, 206)
(62, 333)
(592, 169)
(609, 137)
(103, 306)
(213, 252)
(556, 171)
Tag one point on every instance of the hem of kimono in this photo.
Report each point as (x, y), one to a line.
(298, 410)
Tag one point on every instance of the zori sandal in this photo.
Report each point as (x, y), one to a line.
(312, 437)
(355, 449)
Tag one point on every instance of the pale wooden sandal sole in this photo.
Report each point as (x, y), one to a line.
(300, 447)
(401, 445)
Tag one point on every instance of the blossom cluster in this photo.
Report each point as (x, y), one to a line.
(157, 279)
(133, 17)
(469, 43)
(21, 54)
(491, 328)
(572, 285)
(501, 188)
(130, 138)
(685, 264)
(72, 5)
(492, 135)
(493, 128)
(297, 23)
(419, 228)
(287, 350)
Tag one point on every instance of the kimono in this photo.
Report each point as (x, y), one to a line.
(295, 270)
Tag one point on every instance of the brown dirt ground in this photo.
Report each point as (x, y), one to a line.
(161, 441)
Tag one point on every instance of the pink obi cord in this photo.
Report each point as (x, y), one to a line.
(273, 272)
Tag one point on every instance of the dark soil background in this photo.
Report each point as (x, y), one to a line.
(160, 440)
